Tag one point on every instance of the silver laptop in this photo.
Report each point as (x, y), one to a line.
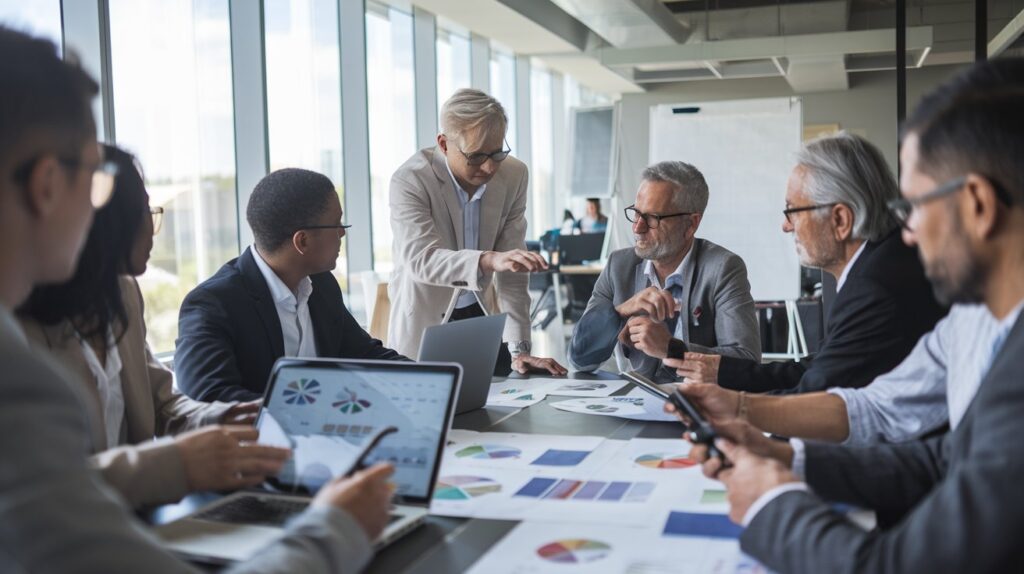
(472, 343)
(323, 409)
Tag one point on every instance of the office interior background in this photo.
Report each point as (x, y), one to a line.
(213, 94)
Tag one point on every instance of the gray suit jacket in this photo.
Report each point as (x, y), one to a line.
(959, 495)
(57, 514)
(727, 323)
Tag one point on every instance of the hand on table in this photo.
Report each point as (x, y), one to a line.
(656, 303)
(696, 367)
(227, 458)
(366, 495)
(524, 363)
(242, 413)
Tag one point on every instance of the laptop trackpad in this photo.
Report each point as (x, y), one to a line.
(218, 540)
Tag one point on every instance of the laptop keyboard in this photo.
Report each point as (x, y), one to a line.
(255, 510)
(261, 511)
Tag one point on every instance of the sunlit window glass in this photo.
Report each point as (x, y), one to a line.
(503, 87)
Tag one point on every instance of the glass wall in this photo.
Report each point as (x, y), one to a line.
(542, 168)
(171, 72)
(452, 65)
(35, 17)
(391, 114)
(503, 87)
(304, 91)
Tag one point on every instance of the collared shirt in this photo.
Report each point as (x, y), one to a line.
(470, 226)
(849, 265)
(292, 310)
(108, 385)
(674, 279)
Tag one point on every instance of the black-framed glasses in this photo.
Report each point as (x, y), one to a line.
(480, 158)
(903, 208)
(340, 227)
(791, 210)
(651, 220)
(157, 213)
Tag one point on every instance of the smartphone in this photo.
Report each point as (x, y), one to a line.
(698, 430)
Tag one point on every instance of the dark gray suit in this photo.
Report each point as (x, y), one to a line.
(727, 323)
(959, 496)
(57, 515)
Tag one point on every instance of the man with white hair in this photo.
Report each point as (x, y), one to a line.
(671, 293)
(458, 218)
(836, 210)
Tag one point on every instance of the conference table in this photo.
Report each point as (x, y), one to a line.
(453, 544)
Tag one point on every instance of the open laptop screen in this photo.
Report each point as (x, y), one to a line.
(324, 409)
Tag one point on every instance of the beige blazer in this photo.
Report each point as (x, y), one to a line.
(144, 471)
(429, 256)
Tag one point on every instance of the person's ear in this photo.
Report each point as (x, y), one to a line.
(300, 241)
(43, 186)
(696, 218)
(442, 142)
(842, 221)
(981, 215)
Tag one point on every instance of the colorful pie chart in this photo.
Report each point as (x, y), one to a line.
(574, 551)
(301, 392)
(488, 451)
(663, 460)
(464, 487)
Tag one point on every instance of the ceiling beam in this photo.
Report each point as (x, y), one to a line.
(1007, 36)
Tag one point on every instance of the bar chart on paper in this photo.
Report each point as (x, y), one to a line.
(589, 490)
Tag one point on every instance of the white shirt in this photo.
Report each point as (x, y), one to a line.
(108, 384)
(292, 311)
(849, 265)
(470, 226)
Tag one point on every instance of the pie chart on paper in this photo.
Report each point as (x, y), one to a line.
(574, 551)
(464, 487)
(488, 451)
(662, 460)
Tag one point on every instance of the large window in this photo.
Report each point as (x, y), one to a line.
(36, 17)
(452, 64)
(392, 114)
(503, 87)
(542, 176)
(304, 91)
(171, 71)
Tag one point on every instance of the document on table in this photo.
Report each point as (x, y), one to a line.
(583, 387)
(635, 405)
(528, 392)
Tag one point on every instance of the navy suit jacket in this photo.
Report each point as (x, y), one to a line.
(884, 307)
(229, 334)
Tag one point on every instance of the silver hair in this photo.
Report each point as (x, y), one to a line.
(691, 194)
(847, 169)
(467, 109)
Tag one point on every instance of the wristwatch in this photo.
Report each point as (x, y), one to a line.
(519, 347)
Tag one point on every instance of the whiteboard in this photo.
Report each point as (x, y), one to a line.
(592, 149)
(746, 150)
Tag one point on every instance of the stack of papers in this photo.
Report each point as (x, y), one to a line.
(527, 392)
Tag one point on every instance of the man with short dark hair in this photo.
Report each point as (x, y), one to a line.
(954, 501)
(671, 289)
(56, 514)
(278, 299)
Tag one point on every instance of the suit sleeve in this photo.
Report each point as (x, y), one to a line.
(417, 244)
(736, 329)
(146, 475)
(356, 343)
(754, 377)
(596, 333)
(513, 287)
(204, 357)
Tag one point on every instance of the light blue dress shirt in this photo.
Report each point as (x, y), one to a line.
(470, 226)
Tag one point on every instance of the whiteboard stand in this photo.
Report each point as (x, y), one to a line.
(796, 345)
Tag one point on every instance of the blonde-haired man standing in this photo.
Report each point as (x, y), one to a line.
(458, 217)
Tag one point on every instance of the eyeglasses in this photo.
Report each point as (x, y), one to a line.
(340, 227)
(157, 213)
(481, 158)
(101, 188)
(791, 210)
(903, 208)
(651, 220)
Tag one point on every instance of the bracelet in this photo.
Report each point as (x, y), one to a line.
(741, 408)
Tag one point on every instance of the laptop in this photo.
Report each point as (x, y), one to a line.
(472, 343)
(323, 409)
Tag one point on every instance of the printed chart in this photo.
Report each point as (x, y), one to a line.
(574, 551)
(462, 487)
(591, 490)
(664, 460)
(488, 451)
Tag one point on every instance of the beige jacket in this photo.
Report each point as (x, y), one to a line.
(144, 471)
(430, 261)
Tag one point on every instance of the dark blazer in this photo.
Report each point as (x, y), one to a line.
(229, 334)
(884, 307)
(959, 495)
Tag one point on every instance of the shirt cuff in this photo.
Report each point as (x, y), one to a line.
(854, 414)
(771, 495)
(799, 466)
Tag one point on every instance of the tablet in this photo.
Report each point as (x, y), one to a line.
(698, 429)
